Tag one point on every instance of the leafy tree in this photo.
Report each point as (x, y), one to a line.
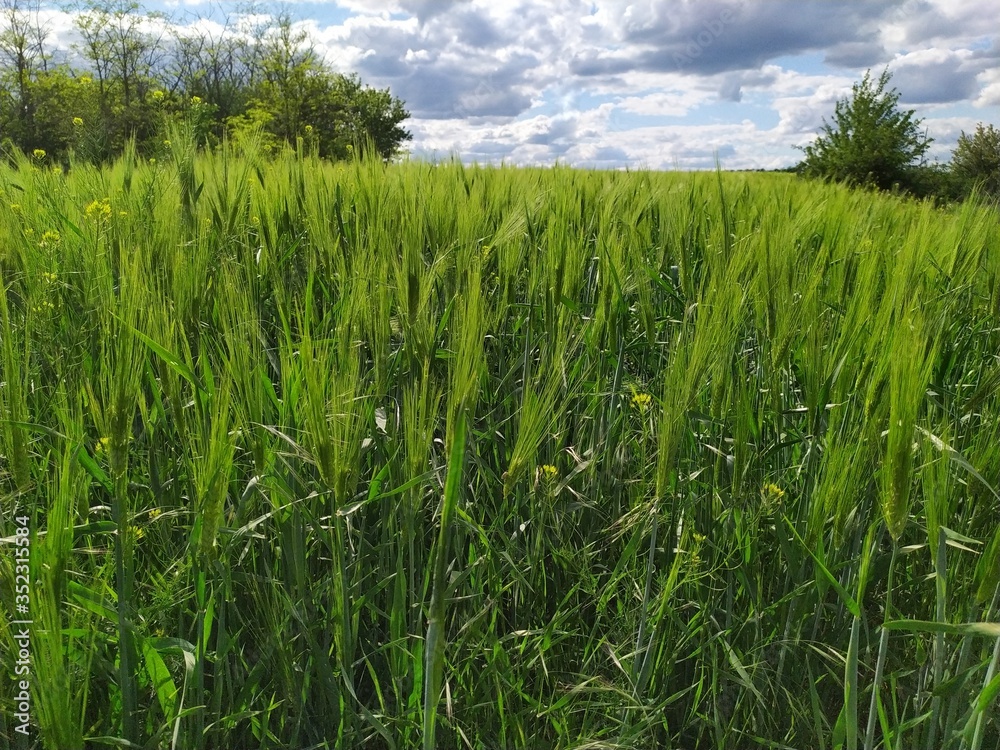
(976, 160)
(298, 96)
(217, 64)
(871, 141)
(22, 58)
(125, 55)
(67, 116)
(374, 117)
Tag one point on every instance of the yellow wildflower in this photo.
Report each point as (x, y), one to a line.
(39, 153)
(771, 495)
(641, 401)
(196, 100)
(158, 95)
(77, 121)
(84, 80)
(549, 472)
(49, 237)
(694, 559)
(98, 209)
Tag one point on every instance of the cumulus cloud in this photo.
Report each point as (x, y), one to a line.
(705, 38)
(935, 76)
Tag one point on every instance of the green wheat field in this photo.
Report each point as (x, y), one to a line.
(351, 455)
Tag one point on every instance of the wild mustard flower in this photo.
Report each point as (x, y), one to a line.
(694, 551)
(166, 143)
(771, 495)
(196, 100)
(98, 210)
(38, 153)
(549, 472)
(102, 446)
(641, 401)
(77, 121)
(84, 80)
(155, 513)
(50, 237)
(158, 95)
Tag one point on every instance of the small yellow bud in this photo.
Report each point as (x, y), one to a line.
(771, 495)
(641, 401)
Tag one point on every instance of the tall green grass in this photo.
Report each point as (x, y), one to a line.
(393, 456)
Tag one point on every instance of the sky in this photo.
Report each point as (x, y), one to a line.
(651, 84)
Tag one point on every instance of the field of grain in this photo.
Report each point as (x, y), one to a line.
(355, 455)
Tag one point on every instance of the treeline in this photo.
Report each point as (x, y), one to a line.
(134, 74)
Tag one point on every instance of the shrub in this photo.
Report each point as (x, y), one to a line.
(976, 160)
